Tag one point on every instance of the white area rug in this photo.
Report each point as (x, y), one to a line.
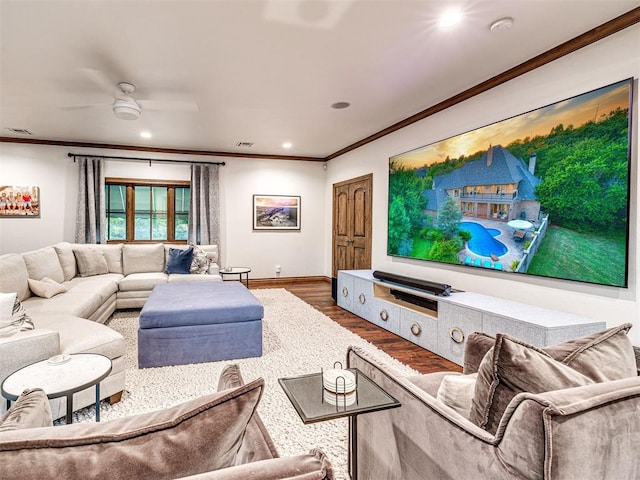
(297, 339)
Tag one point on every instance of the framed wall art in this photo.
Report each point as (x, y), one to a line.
(276, 212)
(19, 201)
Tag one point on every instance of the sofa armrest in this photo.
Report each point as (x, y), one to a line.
(214, 269)
(25, 348)
(312, 466)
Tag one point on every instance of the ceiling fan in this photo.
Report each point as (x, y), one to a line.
(125, 106)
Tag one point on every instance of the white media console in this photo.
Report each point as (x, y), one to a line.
(441, 324)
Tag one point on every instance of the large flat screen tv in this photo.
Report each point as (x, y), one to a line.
(543, 193)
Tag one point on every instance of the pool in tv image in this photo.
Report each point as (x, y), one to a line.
(544, 193)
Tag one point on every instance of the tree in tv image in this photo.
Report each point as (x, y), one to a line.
(543, 193)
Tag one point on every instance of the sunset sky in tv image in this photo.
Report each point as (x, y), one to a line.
(574, 111)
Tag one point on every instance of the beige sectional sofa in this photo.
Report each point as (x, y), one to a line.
(99, 279)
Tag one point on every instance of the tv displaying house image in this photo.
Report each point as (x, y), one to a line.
(544, 193)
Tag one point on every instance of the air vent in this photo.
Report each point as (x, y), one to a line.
(244, 144)
(20, 131)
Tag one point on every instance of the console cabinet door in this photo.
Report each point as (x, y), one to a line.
(363, 298)
(530, 333)
(386, 315)
(345, 291)
(419, 328)
(455, 323)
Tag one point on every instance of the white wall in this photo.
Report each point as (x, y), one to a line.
(298, 253)
(608, 61)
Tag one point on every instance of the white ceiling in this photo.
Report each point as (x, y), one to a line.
(261, 71)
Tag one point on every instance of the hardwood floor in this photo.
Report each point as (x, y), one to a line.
(316, 291)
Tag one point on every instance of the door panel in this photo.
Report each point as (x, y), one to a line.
(352, 224)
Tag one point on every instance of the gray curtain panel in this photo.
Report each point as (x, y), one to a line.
(91, 213)
(204, 210)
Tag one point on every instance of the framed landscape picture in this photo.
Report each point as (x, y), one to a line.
(19, 201)
(276, 212)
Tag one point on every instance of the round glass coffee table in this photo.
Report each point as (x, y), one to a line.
(60, 379)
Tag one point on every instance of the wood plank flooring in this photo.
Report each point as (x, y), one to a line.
(316, 291)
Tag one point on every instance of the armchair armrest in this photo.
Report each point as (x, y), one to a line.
(312, 466)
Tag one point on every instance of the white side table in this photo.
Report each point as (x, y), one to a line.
(82, 371)
(237, 271)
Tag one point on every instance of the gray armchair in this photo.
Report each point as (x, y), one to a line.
(215, 437)
(586, 432)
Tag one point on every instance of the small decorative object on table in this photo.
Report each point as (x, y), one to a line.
(339, 386)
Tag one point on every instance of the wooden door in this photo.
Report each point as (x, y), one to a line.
(352, 225)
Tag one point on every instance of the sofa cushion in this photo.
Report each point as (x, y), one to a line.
(91, 261)
(81, 304)
(179, 260)
(511, 367)
(192, 277)
(13, 317)
(257, 443)
(601, 356)
(43, 263)
(14, 275)
(67, 260)
(142, 281)
(199, 261)
(113, 255)
(78, 335)
(457, 392)
(104, 285)
(46, 288)
(142, 258)
(31, 410)
(197, 436)
(313, 466)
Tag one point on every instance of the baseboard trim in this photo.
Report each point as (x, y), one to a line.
(271, 282)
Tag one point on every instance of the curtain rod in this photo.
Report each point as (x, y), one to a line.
(139, 159)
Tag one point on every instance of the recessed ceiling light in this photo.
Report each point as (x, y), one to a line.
(340, 105)
(501, 24)
(145, 134)
(450, 17)
(287, 145)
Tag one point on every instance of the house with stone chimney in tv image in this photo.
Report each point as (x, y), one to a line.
(498, 186)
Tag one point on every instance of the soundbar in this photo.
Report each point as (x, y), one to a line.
(441, 289)
(415, 299)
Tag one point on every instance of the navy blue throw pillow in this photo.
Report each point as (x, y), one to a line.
(179, 260)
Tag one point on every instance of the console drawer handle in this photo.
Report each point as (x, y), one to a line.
(384, 315)
(362, 299)
(416, 329)
(345, 292)
(456, 334)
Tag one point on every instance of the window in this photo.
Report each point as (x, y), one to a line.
(147, 211)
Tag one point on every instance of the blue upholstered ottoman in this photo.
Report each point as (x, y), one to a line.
(199, 322)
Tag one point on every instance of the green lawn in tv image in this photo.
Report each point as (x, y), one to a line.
(549, 187)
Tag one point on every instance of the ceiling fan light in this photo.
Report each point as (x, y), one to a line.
(126, 110)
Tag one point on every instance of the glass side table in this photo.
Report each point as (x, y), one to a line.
(307, 395)
(79, 372)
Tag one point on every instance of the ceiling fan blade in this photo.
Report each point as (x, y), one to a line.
(84, 106)
(101, 79)
(169, 105)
